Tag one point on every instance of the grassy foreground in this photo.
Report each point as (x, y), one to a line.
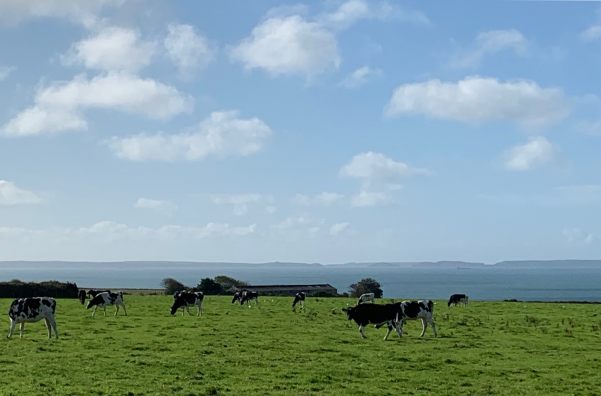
(486, 348)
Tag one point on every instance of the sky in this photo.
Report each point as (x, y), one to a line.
(331, 132)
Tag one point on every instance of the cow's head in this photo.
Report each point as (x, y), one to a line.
(349, 312)
(237, 296)
(94, 301)
(179, 302)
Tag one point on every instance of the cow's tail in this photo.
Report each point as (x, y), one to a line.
(430, 305)
(53, 306)
(121, 295)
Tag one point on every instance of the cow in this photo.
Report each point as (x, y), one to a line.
(183, 300)
(377, 314)
(32, 309)
(81, 296)
(366, 297)
(458, 299)
(299, 298)
(247, 296)
(237, 296)
(107, 298)
(414, 310)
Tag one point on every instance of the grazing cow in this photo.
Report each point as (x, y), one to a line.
(299, 298)
(366, 297)
(81, 296)
(107, 298)
(458, 299)
(237, 296)
(414, 310)
(378, 314)
(247, 296)
(183, 300)
(32, 310)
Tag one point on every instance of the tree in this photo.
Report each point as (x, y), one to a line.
(228, 282)
(366, 285)
(171, 285)
(209, 286)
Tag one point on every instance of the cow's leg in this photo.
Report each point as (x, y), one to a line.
(388, 331)
(361, 331)
(199, 306)
(21, 326)
(424, 325)
(124, 310)
(188, 309)
(11, 328)
(94, 310)
(105, 310)
(117, 309)
(48, 327)
(433, 327)
(53, 325)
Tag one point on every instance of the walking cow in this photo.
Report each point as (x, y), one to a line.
(32, 309)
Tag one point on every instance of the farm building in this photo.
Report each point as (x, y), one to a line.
(323, 289)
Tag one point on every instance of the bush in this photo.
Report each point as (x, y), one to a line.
(171, 285)
(366, 285)
(228, 283)
(18, 289)
(209, 286)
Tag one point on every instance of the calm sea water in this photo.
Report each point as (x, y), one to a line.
(487, 283)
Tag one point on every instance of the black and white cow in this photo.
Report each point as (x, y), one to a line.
(299, 298)
(237, 296)
(93, 292)
(366, 297)
(377, 314)
(32, 309)
(81, 296)
(107, 298)
(458, 299)
(247, 296)
(184, 299)
(417, 310)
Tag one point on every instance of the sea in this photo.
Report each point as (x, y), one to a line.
(528, 282)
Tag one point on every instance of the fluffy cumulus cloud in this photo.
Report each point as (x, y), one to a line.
(187, 49)
(353, 11)
(537, 152)
(155, 205)
(489, 43)
(321, 199)
(241, 202)
(289, 45)
(112, 49)
(477, 99)
(59, 107)
(373, 168)
(11, 195)
(339, 228)
(360, 76)
(85, 12)
(367, 198)
(222, 134)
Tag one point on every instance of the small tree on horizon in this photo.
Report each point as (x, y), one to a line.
(210, 287)
(366, 285)
(172, 285)
(227, 282)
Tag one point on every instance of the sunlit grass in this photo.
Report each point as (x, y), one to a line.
(507, 348)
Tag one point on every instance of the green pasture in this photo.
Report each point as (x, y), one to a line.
(485, 348)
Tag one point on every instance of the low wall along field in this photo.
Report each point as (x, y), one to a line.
(484, 348)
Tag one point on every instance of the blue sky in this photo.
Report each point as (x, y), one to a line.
(318, 132)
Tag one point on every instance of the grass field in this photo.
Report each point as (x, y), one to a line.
(486, 348)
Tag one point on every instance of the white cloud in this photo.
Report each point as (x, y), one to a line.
(222, 134)
(156, 205)
(58, 107)
(476, 99)
(338, 228)
(11, 195)
(537, 152)
(322, 199)
(578, 236)
(353, 11)
(5, 71)
(370, 198)
(592, 33)
(489, 43)
(373, 168)
(187, 49)
(241, 202)
(360, 76)
(84, 12)
(112, 49)
(288, 45)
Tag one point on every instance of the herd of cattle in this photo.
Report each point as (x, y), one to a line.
(393, 315)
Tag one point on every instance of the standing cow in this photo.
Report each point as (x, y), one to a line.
(32, 309)
(183, 300)
(299, 298)
(418, 310)
(107, 298)
(458, 299)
